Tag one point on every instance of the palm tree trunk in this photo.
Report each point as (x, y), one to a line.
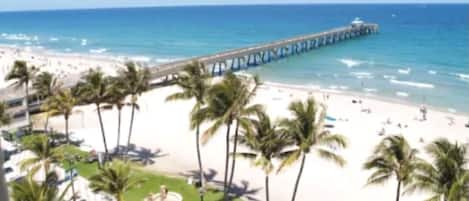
(26, 101)
(199, 158)
(130, 128)
(119, 112)
(398, 190)
(298, 177)
(267, 188)
(102, 130)
(66, 129)
(227, 156)
(233, 163)
(46, 123)
(3, 184)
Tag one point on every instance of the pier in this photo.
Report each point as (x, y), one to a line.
(218, 63)
(243, 58)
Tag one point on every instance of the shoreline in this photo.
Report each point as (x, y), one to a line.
(119, 60)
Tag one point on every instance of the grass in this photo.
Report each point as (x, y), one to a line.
(152, 184)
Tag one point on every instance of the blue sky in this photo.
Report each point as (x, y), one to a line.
(6, 5)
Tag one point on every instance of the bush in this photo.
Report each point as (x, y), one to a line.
(72, 151)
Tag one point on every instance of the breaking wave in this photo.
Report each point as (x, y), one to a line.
(413, 84)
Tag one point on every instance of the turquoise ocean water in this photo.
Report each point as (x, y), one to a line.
(420, 55)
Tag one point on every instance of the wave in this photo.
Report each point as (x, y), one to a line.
(141, 58)
(68, 50)
(84, 42)
(98, 51)
(389, 77)
(402, 94)
(362, 75)
(404, 71)
(343, 87)
(53, 39)
(19, 37)
(370, 90)
(350, 63)
(166, 60)
(413, 84)
(432, 72)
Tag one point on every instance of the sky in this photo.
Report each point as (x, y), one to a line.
(13, 5)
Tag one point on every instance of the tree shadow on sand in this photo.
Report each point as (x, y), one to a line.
(238, 190)
(143, 155)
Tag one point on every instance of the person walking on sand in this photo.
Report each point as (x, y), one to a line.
(423, 110)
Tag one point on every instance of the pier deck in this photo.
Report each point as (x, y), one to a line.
(231, 60)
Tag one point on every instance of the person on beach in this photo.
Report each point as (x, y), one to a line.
(423, 110)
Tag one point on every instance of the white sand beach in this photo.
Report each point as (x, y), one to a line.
(163, 128)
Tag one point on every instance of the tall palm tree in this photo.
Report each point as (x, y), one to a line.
(116, 97)
(194, 82)
(242, 111)
(30, 190)
(266, 142)
(393, 157)
(226, 103)
(23, 76)
(4, 120)
(114, 178)
(46, 85)
(94, 90)
(62, 103)
(446, 176)
(45, 154)
(306, 129)
(137, 81)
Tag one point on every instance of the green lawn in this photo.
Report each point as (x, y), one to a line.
(152, 184)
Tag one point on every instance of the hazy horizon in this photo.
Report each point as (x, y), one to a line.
(18, 5)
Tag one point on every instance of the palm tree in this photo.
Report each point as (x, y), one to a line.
(393, 156)
(94, 89)
(23, 75)
(242, 111)
(116, 97)
(226, 103)
(266, 142)
(44, 154)
(446, 177)
(4, 120)
(114, 178)
(4, 116)
(62, 103)
(137, 81)
(306, 130)
(46, 85)
(194, 82)
(30, 190)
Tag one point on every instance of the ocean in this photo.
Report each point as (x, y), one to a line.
(421, 54)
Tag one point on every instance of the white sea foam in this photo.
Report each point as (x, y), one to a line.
(68, 50)
(432, 72)
(462, 76)
(370, 90)
(404, 71)
(402, 94)
(362, 75)
(333, 87)
(389, 77)
(98, 51)
(413, 84)
(53, 39)
(166, 60)
(141, 59)
(84, 42)
(343, 87)
(19, 37)
(350, 63)
(452, 110)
